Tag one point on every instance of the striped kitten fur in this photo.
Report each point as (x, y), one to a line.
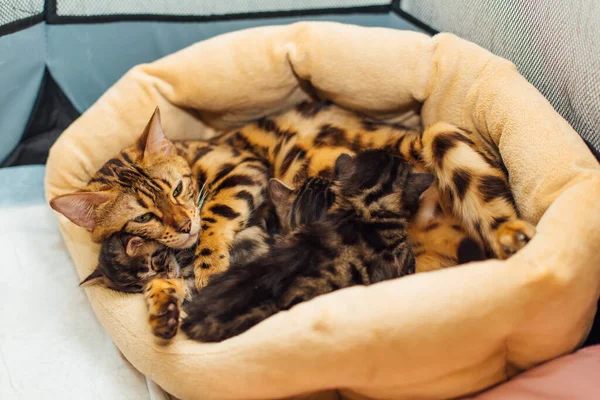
(361, 240)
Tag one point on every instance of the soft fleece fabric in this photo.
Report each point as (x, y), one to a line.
(435, 335)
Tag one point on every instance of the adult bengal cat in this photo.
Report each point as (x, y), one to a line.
(150, 190)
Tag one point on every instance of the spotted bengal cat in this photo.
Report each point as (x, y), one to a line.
(150, 190)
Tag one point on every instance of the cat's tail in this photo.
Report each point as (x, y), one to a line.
(241, 297)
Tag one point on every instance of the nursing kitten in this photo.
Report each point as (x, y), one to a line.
(127, 263)
(361, 240)
(308, 203)
(131, 264)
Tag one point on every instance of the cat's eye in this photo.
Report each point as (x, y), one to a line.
(177, 190)
(144, 218)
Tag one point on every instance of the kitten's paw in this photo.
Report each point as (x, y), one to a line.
(512, 236)
(207, 264)
(164, 298)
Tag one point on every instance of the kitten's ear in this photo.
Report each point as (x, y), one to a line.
(278, 191)
(344, 165)
(416, 184)
(133, 244)
(96, 278)
(153, 140)
(420, 181)
(80, 207)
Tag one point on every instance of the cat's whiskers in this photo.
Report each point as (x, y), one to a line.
(200, 194)
(201, 201)
(201, 197)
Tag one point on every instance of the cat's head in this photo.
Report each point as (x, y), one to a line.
(303, 205)
(378, 184)
(147, 190)
(127, 262)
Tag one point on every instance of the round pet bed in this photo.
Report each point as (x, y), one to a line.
(432, 335)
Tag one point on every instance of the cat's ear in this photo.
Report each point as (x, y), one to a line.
(279, 192)
(344, 166)
(153, 140)
(420, 181)
(133, 244)
(416, 184)
(96, 278)
(80, 207)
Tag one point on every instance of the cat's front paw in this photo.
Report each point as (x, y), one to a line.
(164, 298)
(512, 236)
(209, 263)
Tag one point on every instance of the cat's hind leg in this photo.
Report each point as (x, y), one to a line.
(475, 185)
(437, 237)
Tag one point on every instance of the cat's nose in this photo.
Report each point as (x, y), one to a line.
(186, 227)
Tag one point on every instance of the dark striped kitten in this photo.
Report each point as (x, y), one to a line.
(309, 203)
(128, 262)
(361, 240)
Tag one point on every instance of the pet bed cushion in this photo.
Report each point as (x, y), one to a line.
(432, 335)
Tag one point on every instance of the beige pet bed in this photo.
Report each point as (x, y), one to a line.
(432, 335)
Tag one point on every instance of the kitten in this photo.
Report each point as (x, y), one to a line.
(361, 240)
(295, 207)
(437, 239)
(127, 263)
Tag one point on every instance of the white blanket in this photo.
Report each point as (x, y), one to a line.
(51, 344)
